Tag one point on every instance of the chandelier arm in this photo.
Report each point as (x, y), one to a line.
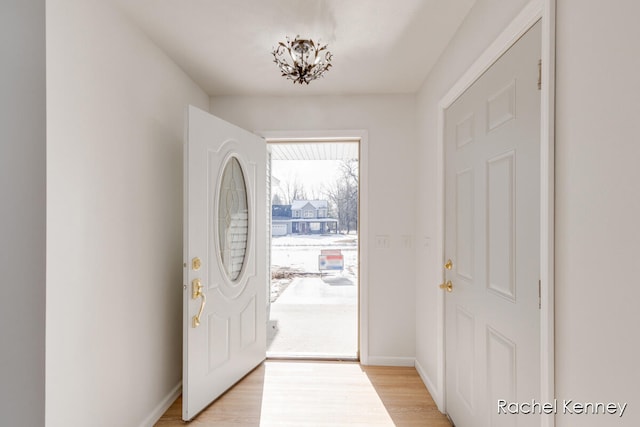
(302, 60)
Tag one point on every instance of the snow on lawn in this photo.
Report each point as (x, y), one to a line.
(300, 252)
(316, 240)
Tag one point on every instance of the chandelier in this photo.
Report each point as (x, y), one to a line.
(302, 60)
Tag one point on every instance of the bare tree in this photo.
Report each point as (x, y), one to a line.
(343, 195)
(350, 170)
(292, 189)
(314, 194)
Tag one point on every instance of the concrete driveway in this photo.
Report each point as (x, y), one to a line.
(315, 317)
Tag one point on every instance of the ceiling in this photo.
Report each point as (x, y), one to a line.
(315, 151)
(378, 46)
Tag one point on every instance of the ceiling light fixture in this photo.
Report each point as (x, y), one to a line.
(302, 60)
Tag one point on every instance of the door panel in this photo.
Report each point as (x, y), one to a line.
(465, 366)
(224, 326)
(492, 155)
(500, 224)
(464, 234)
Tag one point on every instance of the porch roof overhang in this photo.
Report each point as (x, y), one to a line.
(313, 150)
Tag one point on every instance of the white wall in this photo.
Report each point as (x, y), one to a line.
(597, 198)
(598, 207)
(22, 212)
(115, 108)
(390, 122)
(483, 24)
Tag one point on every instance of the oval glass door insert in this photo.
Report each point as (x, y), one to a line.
(233, 219)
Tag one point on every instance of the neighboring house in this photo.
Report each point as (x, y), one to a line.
(302, 217)
(309, 209)
(280, 220)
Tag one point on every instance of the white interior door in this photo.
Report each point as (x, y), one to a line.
(224, 335)
(492, 155)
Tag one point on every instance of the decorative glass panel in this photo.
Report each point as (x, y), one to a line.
(233, 219)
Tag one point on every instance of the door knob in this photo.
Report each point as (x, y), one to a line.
(448, 286)
(448, 265)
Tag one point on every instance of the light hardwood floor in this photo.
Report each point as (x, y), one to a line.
(289, 393)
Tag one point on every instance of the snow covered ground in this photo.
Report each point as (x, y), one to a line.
(301, 252)
(298, 255)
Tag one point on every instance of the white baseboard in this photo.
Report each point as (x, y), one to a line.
(433, 390)
(162, 407)
(391, 361)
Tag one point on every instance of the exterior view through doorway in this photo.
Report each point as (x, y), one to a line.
(314, 289)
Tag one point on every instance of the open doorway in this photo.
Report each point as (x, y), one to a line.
(314, 250)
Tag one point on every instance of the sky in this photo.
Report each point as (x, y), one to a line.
(312, 174)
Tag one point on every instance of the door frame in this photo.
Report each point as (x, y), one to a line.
(360, 136)
(534, 11)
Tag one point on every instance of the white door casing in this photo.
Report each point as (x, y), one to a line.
(225, 226)
(492, 235)
(362, 137)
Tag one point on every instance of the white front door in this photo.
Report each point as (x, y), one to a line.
(492, 211)
(224, 324)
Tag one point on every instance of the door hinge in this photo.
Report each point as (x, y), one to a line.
(539, 293)
(539, 74)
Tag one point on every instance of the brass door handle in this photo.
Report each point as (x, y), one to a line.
(448, 286)
(196, 292)
(449, 264)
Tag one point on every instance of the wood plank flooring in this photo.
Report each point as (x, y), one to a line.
(290, 393)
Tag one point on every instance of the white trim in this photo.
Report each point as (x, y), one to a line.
(533, 11)
(439, 395)
(391, 361)
(431, 388)
(162, 407)
(547, 209)
(362, 137)
(363, 248)
(312, 136)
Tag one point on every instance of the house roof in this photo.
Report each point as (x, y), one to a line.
(317, 204)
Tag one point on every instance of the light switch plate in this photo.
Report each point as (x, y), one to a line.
(382, 241)
(407, 241)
